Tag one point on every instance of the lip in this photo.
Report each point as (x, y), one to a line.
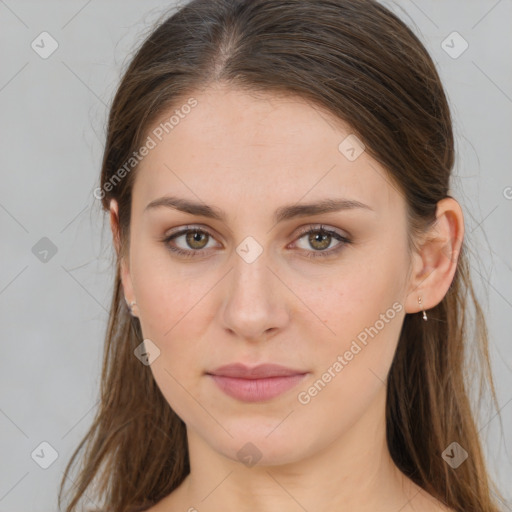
(241, 371)
(256, 384)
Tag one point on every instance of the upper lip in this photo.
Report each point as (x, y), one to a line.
(239, 370)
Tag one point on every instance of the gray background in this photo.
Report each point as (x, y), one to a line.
(53, 114)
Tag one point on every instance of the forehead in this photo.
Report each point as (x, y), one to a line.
(267, 148)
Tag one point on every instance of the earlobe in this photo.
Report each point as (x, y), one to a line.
(437, 258)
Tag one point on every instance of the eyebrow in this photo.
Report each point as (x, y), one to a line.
(281, 214)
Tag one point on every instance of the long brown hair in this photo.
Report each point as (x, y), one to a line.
(357, 60)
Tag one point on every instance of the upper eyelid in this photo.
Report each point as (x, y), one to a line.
(183, 230)
(320, 227)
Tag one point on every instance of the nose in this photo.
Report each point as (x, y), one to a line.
(255, 305)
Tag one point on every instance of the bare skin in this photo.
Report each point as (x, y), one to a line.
(326, 450)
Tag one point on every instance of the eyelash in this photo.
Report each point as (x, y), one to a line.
(310, 254)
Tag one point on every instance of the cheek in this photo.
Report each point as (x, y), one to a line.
(362, 313)
(168, 293)
(363, 330)
(174, 313)
(347, 301)
(351, 370)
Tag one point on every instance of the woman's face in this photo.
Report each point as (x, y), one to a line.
(252, 287)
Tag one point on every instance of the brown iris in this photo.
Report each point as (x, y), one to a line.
(319, 236)
(194, 237)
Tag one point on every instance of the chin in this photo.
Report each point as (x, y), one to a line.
(256, 444)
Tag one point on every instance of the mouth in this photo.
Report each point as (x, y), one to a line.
(257, 384)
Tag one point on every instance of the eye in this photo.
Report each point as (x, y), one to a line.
(195, 240)
(320, 238)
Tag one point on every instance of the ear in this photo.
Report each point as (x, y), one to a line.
(435, 262)
(123, 259)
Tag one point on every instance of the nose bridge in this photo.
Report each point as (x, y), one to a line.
(254, 304)
(251, 277)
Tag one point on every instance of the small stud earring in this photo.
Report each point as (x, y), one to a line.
(130, 305)
(424, 313)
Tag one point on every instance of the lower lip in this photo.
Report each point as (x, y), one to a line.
(256, 390)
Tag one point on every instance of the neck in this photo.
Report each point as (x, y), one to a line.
(354, 472)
